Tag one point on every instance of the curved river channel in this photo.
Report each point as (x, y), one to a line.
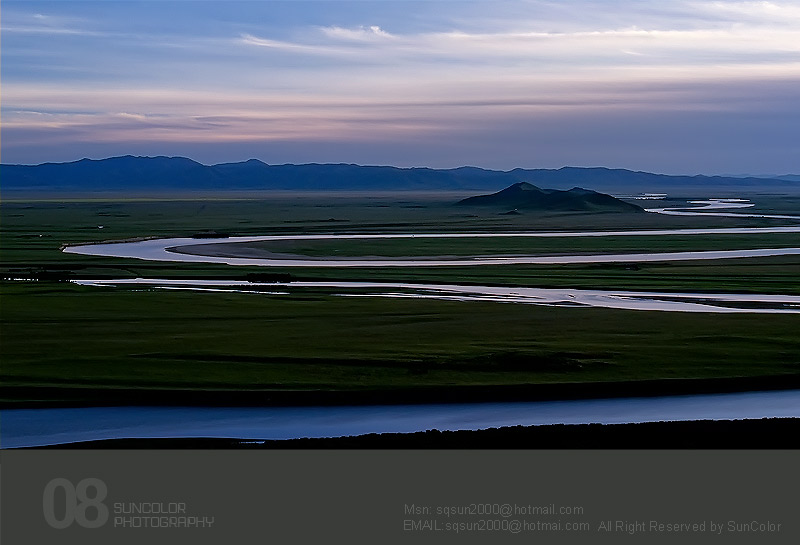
(197, 250)
(182, 249)
(618, 299)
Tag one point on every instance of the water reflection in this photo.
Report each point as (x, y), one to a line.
(31, 427)
(618, 299)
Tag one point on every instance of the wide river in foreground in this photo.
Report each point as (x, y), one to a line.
(36, 427)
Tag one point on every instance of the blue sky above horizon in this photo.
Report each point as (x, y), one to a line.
(678, 87)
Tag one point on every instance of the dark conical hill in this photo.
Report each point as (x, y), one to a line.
(525, 196)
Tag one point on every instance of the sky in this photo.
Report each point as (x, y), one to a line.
(677, 87)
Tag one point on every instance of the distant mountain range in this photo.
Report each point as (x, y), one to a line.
(178, 174)
(524, 196)
(789, 177)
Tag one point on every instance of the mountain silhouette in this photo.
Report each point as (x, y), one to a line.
(162, 174)
(525, 196)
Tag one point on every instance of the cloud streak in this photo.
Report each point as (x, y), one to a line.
(585, 48)
(39, 23)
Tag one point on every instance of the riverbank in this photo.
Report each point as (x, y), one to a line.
(767, 433)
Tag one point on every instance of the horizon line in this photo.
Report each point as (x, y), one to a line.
(595, 167)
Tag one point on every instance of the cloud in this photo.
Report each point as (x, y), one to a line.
(458, 72)
(249, 39)
(40, 23)
(175, 115)
(776, 13)
(713, 45)
(361, 34)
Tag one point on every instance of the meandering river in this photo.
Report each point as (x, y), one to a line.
(716, 204)
(181, 249)
(619, 299)
(195, 250)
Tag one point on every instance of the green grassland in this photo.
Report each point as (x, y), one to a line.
(115, 337)
(60, 334)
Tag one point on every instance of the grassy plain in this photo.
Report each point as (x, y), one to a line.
(60, 334)
(118, 337)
